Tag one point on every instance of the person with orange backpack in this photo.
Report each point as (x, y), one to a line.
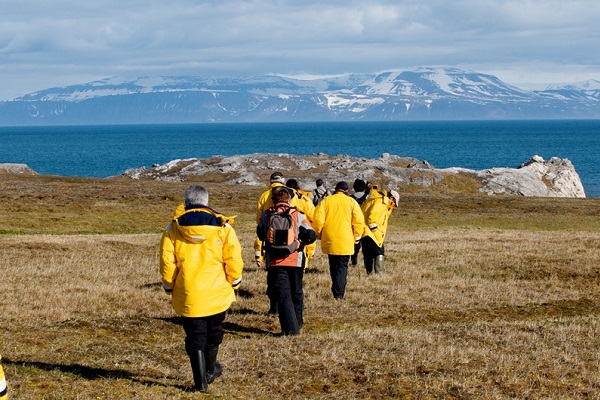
(285, 231)
(264, 203)
(302, 202)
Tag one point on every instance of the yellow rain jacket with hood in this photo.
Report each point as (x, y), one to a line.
(377, 209)
(339, 223)
(201, 262)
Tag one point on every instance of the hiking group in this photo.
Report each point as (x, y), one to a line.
(201, 257)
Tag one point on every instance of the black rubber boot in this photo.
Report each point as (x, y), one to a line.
(199, 370)
(213, 368)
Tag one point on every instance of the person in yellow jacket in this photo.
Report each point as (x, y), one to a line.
(201, 266)
(377, 209)
(3, 385)
(339, 223)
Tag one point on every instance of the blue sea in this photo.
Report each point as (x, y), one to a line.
(108, 150)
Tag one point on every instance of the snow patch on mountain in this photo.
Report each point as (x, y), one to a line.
(590, 84)
(353, 104)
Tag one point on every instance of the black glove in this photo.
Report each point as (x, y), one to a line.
(307, 236)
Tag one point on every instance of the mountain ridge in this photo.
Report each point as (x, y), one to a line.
(424, 93)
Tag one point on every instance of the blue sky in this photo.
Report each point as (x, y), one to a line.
(57, 43)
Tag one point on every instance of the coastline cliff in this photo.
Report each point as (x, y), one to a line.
(555, 177)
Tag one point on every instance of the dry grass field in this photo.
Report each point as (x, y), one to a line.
(483, 298)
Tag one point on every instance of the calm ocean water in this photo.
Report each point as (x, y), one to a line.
(101, 151)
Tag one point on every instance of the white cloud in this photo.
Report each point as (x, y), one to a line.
(45, 44)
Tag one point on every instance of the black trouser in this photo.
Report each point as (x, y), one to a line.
(201, 332)
(285, 284)
(370, 251)
(356, 252)
(338, 270)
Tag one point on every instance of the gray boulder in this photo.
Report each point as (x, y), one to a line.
(536, 177)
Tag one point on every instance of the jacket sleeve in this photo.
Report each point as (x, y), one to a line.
(232, 257)
(309, 209)
(319, 218)
(358, 221)
(261, 205)
(168, 260)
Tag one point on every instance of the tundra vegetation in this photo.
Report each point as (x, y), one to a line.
(483, 297)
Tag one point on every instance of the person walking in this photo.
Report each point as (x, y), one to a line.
(360, 194)
(265, 201)
(303, 203)
(285, 232)
(361, 191)
(201, 266)
(339, 223)
(320, 192)
(377, 209)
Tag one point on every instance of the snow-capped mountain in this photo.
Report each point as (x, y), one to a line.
(428, 93)
(589, 89)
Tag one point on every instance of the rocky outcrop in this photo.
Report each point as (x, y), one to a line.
(536, 177)
(10, 168)
(254, 169)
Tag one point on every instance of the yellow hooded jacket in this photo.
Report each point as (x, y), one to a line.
(3, 386)
(339, 223)
(201, 263)
(377, 209)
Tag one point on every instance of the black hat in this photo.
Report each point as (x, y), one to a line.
(359, 185)
(320, 182)
(342, 185)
